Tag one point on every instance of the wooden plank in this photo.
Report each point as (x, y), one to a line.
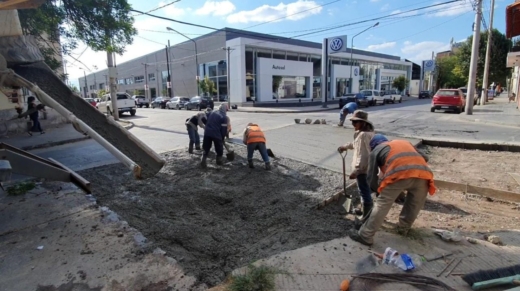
(486, 192)
(20, 4)
(75, 177)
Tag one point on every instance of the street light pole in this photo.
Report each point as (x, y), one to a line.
(351, 53)
(196, 56)
(485, 81)
(146, 83)
(86, 85)
(228, 77)
(474, 60)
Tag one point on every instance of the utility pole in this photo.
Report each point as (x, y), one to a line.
(106, 83)
(474, 60)
(324, 71)
(485, 80)
(112, 72)
(168, 83)
(430, 80)
(228, 77)
(146, 95)
(86, 85)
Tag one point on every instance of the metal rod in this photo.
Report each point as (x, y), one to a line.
(451, 262)
(453, 268)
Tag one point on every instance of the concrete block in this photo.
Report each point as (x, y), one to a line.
(5, 170)
(317, 121)
(308, 121)
(323, 121)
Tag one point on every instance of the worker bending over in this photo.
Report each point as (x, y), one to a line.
(402, 167)
(254, 138)
(192, 125)
(364, 131)
(214, 133)
(348, 108)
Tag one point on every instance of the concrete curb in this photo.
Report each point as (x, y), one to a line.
(478, 120)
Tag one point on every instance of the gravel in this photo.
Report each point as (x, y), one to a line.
(216, 220)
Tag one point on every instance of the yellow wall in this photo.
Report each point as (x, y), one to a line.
(5, 102)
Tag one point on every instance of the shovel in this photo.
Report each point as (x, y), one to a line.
(230, 155)
(348, 202)
(270, 153)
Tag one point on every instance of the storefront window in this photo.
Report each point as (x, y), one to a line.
(292, 56)
(342, 85)
(316, 87)
(222, 89)
(212, 70)
(316, 66)
(249, 62)
(304, 58)
(222, 68)
(265, 54)
(287, 87)
(279, 55)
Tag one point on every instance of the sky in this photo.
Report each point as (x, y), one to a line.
(413, 35)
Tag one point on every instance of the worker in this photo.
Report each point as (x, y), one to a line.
(214, 133)
(348, 108)
(254, 138)
(192, 125)
(364, 131)
(228, 127)
(402, 167)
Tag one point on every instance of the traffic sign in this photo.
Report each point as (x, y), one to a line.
(168, 84)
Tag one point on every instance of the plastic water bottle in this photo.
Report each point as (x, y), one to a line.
(405, 262)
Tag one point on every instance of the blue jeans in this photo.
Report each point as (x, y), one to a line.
(342, 117)
(364, 188)
(260, 146)
(36, 125)
(194, 135)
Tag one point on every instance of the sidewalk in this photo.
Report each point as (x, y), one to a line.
(56, 136)
(497, 111)
(302, 109)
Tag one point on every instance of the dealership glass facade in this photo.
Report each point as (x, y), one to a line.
(367, 72)
(217, 73)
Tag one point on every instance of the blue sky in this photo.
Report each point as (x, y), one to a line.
(413, 35)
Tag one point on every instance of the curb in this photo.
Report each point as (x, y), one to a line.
(478, 120)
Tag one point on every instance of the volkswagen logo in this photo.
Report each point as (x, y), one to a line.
(336, 44)
(356, 71)
(429, 63)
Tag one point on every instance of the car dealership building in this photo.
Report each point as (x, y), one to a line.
(262, 68)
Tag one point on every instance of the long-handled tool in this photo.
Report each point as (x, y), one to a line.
(348, 202)
(230, 155)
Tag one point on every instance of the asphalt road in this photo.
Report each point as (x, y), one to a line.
(164, 130)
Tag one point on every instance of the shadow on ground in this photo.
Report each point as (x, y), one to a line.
(216, 220)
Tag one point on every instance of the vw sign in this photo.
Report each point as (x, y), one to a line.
(336, 44)
(356, 71)
(429, 65)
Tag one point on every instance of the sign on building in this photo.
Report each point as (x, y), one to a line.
(428, 66)
(168, 84)
(337, 44)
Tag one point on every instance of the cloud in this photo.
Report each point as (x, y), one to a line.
(216, 8)
(452, 9)
(292, 11)
(385, 7)
(378, 47)
(403, 14)
(420, 51)
(374, 0)
(173, 11)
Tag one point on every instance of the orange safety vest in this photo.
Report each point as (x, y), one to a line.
(404, 162)
(255, 134)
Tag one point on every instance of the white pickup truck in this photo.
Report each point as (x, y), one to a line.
(125, 103)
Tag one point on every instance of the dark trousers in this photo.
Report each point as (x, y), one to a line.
(194, 135)
(36, 127)
(364, 188)
(208, 141)
(260, 146)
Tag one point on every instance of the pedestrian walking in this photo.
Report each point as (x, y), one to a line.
(192, 125)
(214, 134)
(402, 168)
(364, 131)
(254, 138)
(348, 108)
(33, 110)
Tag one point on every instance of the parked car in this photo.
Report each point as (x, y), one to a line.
(476, 97)
(393, 96)
(374, 97)
(177, 102)
(359, 98)
(141, 101)
(199, 103)
(160, 102)
(449, 99)
(92, 101)
(425, 95)
(124, 104)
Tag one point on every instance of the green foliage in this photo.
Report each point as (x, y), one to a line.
(207, 86)
(164, 92)
(400, 83)
(74, 89)
(449, 73)
(500, 46)
(104, 25)
(20, 189)
(101, 92)
(255, 279)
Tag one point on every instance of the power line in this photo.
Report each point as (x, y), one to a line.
(160, 7)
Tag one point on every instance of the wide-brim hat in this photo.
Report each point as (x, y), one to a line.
(360, 115)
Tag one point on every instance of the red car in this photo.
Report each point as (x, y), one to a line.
(91, 101)
(449, 99)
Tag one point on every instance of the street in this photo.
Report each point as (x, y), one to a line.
(164, 130)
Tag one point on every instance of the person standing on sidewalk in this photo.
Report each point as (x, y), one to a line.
(348, 108)
(33, 111)
(364, 131)
(402, 167)
(192, 125)
(214, 134)
(254, 138)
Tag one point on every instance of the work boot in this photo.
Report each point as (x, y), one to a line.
(203, 163)
(220, 162)
(197, 147)
(190, 148)
(340, 124)
(354, 235)
(268, 166)
(250, 163)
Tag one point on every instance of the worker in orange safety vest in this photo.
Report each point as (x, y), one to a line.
(402, 167)
(254, 138)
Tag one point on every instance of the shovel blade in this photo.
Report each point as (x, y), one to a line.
(230, 156)
(270, 153)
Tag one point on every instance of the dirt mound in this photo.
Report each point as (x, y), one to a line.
(213, 221)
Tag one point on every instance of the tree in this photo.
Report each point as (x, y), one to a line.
(500, 46)
(207, 86)
(74, 89)
(59, 25)
(449, 73)
(101, 92)
(400, 83)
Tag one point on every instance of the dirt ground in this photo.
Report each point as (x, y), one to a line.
(469, 213)
(479, 168)
(213, 221)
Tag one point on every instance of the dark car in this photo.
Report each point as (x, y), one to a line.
(359, 98)
(160, 102)
(425, 95)
(199, 103)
